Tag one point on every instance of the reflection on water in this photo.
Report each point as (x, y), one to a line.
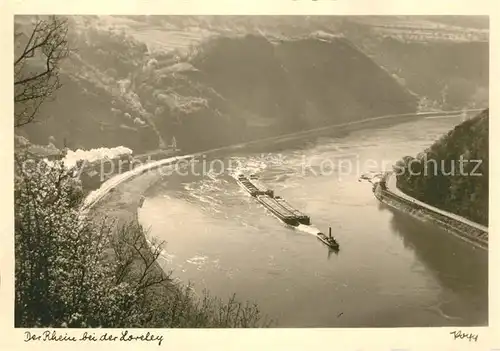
(459, 267)
(391, 270)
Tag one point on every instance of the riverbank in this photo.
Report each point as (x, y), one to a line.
(124, 200)
(121, 206)
(473, 234)
(94, 180)
(121, 203)
(260, 260)
(176, 300)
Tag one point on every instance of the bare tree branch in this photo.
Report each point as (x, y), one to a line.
(36, 69)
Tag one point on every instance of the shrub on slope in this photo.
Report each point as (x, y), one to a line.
(72, 272)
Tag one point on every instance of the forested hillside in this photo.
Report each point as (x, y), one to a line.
(436, 177)
(137, 81)
(74, 265)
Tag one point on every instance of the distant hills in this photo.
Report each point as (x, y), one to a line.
(210, 81)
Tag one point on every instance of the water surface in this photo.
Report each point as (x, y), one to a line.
(392, 270)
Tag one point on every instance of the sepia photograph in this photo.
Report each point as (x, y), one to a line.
(274, 171)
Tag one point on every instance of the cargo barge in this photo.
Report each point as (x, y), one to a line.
(280, 208)
(253, 188)
(271, 204)
(302, 218)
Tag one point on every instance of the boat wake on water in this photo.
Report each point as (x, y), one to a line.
(282, 209)
(309, 229)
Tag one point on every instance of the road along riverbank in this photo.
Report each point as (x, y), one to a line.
(392, 269)
(94, 197)
(120, 196)
(125, 199)
(386, 191)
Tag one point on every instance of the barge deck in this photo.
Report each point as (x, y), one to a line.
(280, 208)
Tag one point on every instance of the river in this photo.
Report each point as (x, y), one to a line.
(391, 270)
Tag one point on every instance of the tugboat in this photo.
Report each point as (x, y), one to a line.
(329, 240)
(280, 208)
